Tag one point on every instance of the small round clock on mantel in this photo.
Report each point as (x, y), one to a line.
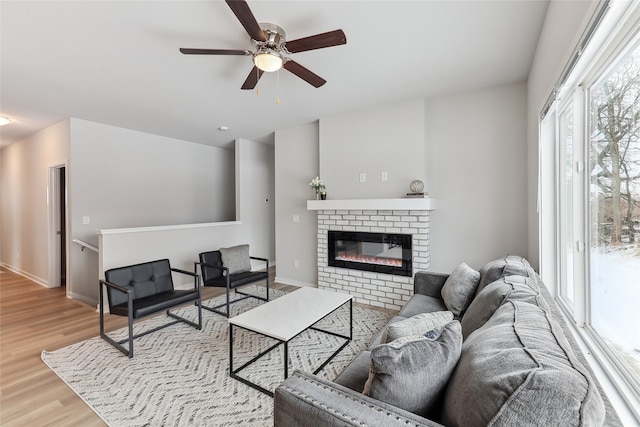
(416, 186)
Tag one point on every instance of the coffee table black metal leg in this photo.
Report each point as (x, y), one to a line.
(286, 360)
(231, 350)
(350, 319)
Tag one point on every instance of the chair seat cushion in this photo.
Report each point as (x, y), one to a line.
(158, 302)
(238, 279)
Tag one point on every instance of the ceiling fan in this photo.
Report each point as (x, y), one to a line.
(272, 47)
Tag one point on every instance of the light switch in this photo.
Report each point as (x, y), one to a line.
(383, 176)
(296, 218)
(363, 177)
(85, 220)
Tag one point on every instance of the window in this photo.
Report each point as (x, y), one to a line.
(614, 208)
(591, 134)
(565, 205)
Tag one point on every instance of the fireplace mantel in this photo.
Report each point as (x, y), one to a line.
(413, 204)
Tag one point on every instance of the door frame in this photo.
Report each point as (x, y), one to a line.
(53, 206)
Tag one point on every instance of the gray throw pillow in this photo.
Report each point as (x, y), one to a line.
(460, 288)
(236, 258)
(412, 372)
(418, 324)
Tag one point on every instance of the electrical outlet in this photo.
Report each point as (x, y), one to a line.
(296, 263)
(383, 176)
(296, 218)
(363, 177)
(85, 220)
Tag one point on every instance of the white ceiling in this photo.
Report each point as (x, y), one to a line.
(117, 62)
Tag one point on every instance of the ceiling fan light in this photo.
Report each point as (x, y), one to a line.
(268, 60)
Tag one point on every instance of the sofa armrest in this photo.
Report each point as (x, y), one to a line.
(304, 399)
(429, 283)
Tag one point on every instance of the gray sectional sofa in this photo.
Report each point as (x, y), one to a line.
(500, 354)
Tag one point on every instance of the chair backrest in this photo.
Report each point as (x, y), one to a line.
(211, 258)
(148, 278)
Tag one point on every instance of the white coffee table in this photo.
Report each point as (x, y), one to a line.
(285, 318)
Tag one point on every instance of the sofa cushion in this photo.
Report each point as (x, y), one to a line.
(519, 369)
(509, 288)
(460, 288)
(507, 266)
(422, 304)
(236, 258)
(412, 372)
(418, 324)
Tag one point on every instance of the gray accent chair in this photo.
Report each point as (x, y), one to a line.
(216, 273)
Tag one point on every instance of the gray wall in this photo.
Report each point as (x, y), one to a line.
(469, 149)
(296, 163)
(477, 165)
(24, 176)
(122, 178)
(383, 139)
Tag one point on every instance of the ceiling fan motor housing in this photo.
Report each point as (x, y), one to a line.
(276, 36)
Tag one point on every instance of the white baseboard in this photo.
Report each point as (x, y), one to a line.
(36, 279)
(293, 282)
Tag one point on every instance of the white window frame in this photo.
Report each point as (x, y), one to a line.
(608, 43)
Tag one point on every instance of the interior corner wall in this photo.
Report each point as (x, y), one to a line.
(122, 178)
(385, 139)
(296, 163)
(24, 178)
(477, 164)
(255, 192)
(564, 23)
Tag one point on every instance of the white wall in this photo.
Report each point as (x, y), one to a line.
(564, 23)
(296, 163)
(383, 139)
(24, 175)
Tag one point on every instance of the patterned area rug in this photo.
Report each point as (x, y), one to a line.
(179, 376)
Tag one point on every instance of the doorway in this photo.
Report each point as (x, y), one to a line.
(58, 241)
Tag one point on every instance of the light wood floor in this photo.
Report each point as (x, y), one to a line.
(32, 319)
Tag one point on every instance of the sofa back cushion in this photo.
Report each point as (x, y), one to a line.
(519, 369)
(508, 266)
(507, 288)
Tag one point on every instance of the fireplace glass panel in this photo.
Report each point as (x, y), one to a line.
(379, 252)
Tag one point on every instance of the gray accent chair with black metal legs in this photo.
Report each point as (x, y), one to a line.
(230, 268)
(141, 290)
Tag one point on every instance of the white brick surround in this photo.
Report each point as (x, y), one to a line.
(377, 289)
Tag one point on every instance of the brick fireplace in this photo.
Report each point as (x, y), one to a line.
(387, 216)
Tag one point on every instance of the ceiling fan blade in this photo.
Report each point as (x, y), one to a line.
(189, 51)
(319, 41)
(252, 78)
(306, 75)
(246, 18)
